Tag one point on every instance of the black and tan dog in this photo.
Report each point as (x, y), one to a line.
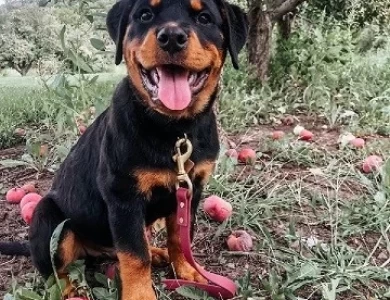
(120, 176)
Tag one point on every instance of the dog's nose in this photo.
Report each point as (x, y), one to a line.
(172, 39)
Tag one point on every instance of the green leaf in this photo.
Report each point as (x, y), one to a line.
(62, 151)
(54, 293)
(191, 293)
(28, 295)
(10, 163)
(330, 292)
(100, 278)
(97, 44)
(79, 61)
(309, 270)
(94, 79)
(62, 38)
(102, 293)
(50, 282)
(90, 18)
(54, 242)
(43, 3)
(99, 14)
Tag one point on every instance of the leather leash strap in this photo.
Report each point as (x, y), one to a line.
(219, 287)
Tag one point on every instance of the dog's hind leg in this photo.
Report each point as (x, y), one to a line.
(47, 217)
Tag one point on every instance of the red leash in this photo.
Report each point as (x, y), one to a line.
(219, 286)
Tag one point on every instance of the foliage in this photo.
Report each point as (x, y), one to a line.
(28, 35)
(30, 38)
(337, 72)
(360, 12)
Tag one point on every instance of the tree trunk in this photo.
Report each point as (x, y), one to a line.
(285, 24)
(262, 17)
(259, 39)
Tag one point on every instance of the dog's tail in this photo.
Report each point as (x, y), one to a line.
(15, 248)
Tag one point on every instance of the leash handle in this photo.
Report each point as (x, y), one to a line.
(219, 286)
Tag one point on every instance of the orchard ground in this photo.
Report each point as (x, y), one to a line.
(320, 225)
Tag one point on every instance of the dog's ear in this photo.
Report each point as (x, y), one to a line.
(235, 29)
(117, 21)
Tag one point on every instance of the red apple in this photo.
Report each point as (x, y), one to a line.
(277, 135)
(372, 163)
(29, 188)
(31, 197)
(357, 143)
(82, 128)
(111, 271)
(247, 156)
(217, 208)
(28, 211)
(306, 135)
(240, 240)
(15, 195)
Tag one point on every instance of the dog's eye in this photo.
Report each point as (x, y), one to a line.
(146, 15)
(204, 18)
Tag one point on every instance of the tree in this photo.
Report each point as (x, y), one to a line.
(28, 35)
(360, 12)
(263, 15)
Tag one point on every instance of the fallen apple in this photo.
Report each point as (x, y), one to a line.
(357, 143)
(247, 156)
(306, 135)
(28, 211)
(31, 197)
(240, 240)
(15, 195)
(372, 163)
(277, 135)
(217, 208)
(29, 188)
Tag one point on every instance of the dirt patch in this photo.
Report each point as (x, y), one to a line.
(13, 228)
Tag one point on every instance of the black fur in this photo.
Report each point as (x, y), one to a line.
(15, 248)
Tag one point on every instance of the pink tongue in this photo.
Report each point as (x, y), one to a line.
(174, 90)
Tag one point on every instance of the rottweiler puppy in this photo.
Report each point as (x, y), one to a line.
(120, 176)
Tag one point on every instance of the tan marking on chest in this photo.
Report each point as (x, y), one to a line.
(148, 179)
(204, 170)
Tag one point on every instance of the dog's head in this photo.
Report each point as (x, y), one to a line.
(174, 49)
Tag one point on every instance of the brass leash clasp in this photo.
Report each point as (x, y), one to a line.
(181, 159)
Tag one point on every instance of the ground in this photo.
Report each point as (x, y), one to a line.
(318, 222)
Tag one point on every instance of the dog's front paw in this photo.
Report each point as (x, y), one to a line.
(160, 256)
(185, 271)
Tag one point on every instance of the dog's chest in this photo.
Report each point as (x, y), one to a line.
(149, 179)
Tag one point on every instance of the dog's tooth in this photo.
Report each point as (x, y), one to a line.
(155, 76)
(192, 78)
(155, 94)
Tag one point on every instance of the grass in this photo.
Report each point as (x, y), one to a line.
(321, 226)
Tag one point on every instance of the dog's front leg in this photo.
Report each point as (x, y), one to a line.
(126, 219)
(128, 230)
